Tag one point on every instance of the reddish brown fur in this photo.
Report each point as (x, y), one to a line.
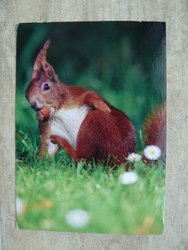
(105, 134)
(155, 128)
(102, 136)
(44, 135)
(41, 58)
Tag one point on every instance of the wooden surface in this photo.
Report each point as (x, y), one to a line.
(174, 13)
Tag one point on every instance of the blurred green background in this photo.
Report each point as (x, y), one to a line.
(124, 61)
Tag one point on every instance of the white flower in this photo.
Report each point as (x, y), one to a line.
(98, 186)
(77, 218)
(128, 178)
(20, 206)
(134, 157)
(152, 152)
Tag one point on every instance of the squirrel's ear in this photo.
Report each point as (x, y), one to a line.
(40, 58)
(48, 72)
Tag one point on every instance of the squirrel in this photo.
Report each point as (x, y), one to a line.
(79, 120)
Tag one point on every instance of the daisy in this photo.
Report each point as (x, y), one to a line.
(152, 152)
(98, 186)
(128, 178)
(77, 218)
(20, 206)
(134, 157)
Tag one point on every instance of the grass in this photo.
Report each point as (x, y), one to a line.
(52, 187)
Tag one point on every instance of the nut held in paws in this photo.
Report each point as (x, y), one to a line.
(44, 114)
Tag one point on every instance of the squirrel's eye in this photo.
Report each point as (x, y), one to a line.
(46, 87)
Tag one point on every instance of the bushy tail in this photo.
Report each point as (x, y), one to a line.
(155, 128)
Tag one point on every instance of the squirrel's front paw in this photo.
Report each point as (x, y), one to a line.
(55, 139)
(103, 107)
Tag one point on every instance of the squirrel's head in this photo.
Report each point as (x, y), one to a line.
(44, 88)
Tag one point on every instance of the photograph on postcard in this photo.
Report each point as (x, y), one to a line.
(91, 127)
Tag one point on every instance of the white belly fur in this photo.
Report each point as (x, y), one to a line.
(66, 123)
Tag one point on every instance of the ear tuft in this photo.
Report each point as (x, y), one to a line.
(45, 48)
(41, 58)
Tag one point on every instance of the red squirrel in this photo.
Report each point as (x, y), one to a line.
(79, 120)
